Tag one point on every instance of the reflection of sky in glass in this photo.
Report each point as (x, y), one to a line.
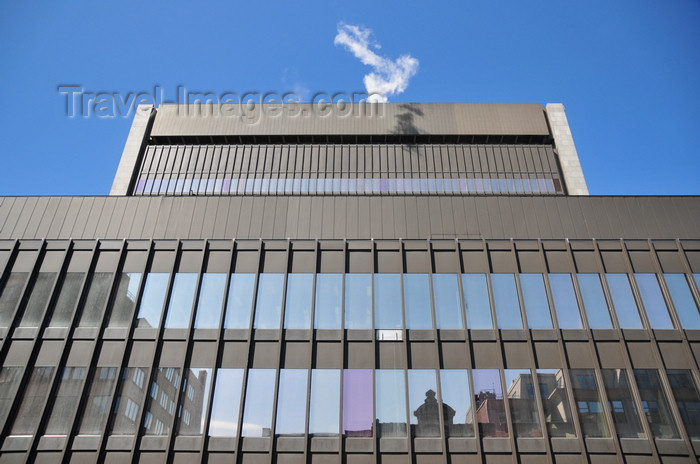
(297, 309)
(324, 411)
(329, 301)
(448, 310)
(419, 382)
(391, 396)
(199, 379)
(416, 289)
(291, 402)
(476, 298)
(594, 301)
(455, 392)
(268, 307)
(151, 305)
(180, 307)
(683, 301)
(487, 380)
(387, 301)
(623, 301)
(259, 396)
(505, 297)
(358, 301)
(535, 300)
(653, 300)
(226, 403)
(240, 300)
(211, 298)
(357, 400)
(565, 303)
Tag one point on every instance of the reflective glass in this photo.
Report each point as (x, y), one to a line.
(67, 299)
(33, 398)
(621, 403)
(39, 296)
(161, 405)
(227, 403)
(98, 401)
(655, 404)
(10, 378)
(565, 303)
(490, 410)
(555, 402)
(125, 299)
(457, 411)
(505, 297)
(291, 403)
(391, 403)
(522, 402)
(11, 293)
(96, 300)
(623, 301)
(535, 300)
(210, 301)
(594, 301)
(297, 308)
(590, 408)
(387, 301)
(448, 309)
(424, 404)
(259, 398)
(65, 401)
(128, 405)
(194, 401)
(268, 306)
(476, 299)
(683, 301)
(653, 301)
(329, 301)
(324, 410)
(358, 415)
(416, 288)
(358, 301)
(151, 307)
(241, 289)
(181, 300)
(687, 399)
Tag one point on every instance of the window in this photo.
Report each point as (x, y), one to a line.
(590, 410)
(523, 405)
(125, 299)
(490, 409)
(387, 301)
(594, 301)
(259, 397)
(358, 301)
(168, 380)
(505, 297)
(10, 295)
(38, 298)
(655, 404)
(682, 299)
(424, 403)
(181, 300)
(226, 404)
(329, 301)
(623, 301)
(324, 410)
(297, 312)
(687, 399)
(96, 300)
(66, 401)
(195, 402)
(151, 306)
(210, 301)
(240, 301)
(416, 288)
(458, 414)
(535, 300)
(391, 403)
(67, 299)
(291, 403)
(10, 378)
(476, 299)
(622, 406)
(557, 411)
(653, 300)
(358, 416)
(565, 303)
(268, 307)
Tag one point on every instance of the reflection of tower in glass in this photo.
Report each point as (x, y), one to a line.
(428, 415)
(193, 407)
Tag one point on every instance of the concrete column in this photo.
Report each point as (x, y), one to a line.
(568, 157)
(132, 149)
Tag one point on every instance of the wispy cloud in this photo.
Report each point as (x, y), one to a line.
(389, 77)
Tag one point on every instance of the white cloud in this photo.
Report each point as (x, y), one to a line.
(389, 77)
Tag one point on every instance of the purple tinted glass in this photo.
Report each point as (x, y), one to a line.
(358, 415)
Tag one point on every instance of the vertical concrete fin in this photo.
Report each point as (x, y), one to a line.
(135, 142)
(568, 157)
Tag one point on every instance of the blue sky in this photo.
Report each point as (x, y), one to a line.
(627, 71)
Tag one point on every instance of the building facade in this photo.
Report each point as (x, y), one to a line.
(395, 283)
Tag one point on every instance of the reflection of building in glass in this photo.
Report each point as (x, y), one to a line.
(428, 415)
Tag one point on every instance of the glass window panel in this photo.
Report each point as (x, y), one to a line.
(655, 404)
(535, 300)
(291, 402)
(40, 293)
(476, 299)
(358, 415)
(226, 404)
(11, 293)
(33, 398)
(10, 378)
(240, 300)
(161, 407)
(448, 309)
(181, 299)
(297, 308)
(324, 410)
(128, 405)
(490, 410)
(259, 396)
(329, 301)
(387, 301)
(210, 301)
(268, 307)
(358, 301)
(685, 392)
(457, 411)
(151, 307)
(67, 299)
(194, 401)
(683, 301)
(653, 301)
(416, 289)
(623, 301)
(565, 303)
(96, 299)
(555, 402)
(391, 403)
(594, 301)
(125, 299)
(590, 409)
(66, 401)
(98, 401)
(424, 403)
(621, 403)
(505, 297)
(522, 402)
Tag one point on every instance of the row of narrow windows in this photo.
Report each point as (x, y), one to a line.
(358, 301)
(357, 402)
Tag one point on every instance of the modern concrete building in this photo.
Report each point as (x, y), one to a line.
(395, 283)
